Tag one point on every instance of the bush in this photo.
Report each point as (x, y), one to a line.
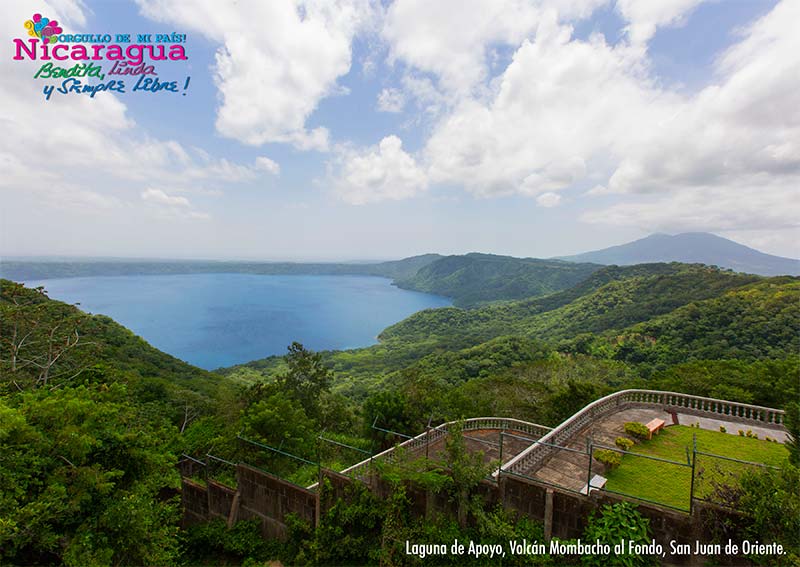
(741, 433)
(611, 459)
(722, 429)
(637, 429)
(214, 540)
(624, 443)
(620, 522)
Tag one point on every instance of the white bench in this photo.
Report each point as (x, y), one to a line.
(596, 482)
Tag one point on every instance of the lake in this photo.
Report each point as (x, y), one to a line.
(216, 320)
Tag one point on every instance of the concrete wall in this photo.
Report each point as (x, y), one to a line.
(268, 499)
(261, 496)
(194, 497)
(220, 500)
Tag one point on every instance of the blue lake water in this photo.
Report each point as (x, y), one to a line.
(216, 320)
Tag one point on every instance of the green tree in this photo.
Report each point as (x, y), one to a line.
(306, 379)
(81, 475)
(280, 422)
(42, 342)
(771, 501)
(467, 469)
(793, 427)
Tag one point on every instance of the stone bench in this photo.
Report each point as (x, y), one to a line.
(596, 482)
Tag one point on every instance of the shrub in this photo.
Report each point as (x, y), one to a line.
(609, 458)
(637, 429)
(624, 443)
(620, 522)
(741, 433)
(722, 429)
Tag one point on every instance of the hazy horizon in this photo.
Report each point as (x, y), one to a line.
(344, 259)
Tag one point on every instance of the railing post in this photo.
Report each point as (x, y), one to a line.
(500, 465)
(694, 464)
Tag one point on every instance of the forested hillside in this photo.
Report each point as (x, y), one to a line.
(91, 423)
(648, 316)
(476, 278)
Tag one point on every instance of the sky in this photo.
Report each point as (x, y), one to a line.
(355, 130)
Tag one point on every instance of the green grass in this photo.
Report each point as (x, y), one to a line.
(670, 484)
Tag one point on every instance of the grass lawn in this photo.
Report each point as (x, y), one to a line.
(670, 484)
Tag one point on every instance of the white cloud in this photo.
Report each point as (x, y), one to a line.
(741, 132)
(548, 200)
(160, 197)
(567, 112)
(171, 207)
(385, 172)
(451, 38)
(645, 16)
(560, 105)
(275, 62)
(772, 206)
(391, 100)
(268, 165)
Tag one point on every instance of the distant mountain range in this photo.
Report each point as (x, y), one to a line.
(692, 248)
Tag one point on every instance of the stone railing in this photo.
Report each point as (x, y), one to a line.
(534, 456)
(433, 434)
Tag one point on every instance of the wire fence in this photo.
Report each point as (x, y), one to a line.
(675, 483)
(221, 470)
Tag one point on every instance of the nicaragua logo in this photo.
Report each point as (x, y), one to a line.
(124, 57)
(43, 28)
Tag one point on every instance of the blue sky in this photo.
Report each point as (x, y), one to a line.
(358, 130)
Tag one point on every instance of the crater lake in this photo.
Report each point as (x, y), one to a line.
(217, 320)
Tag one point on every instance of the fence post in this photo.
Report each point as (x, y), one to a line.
(548, 514)
(500, 466)
(694, 464)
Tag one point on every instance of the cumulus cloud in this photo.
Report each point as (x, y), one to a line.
(275, 62)
(385, 172)
(569, 112)
(391, 100)
(160, 197)
(561, 104)
(265, 164)
(452, 38)
(171, 207)
(732, 150)
(548, 200)
(645, 16)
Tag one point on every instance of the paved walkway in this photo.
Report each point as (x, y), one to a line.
(731, 427)
(570, 469)
(481, 440)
